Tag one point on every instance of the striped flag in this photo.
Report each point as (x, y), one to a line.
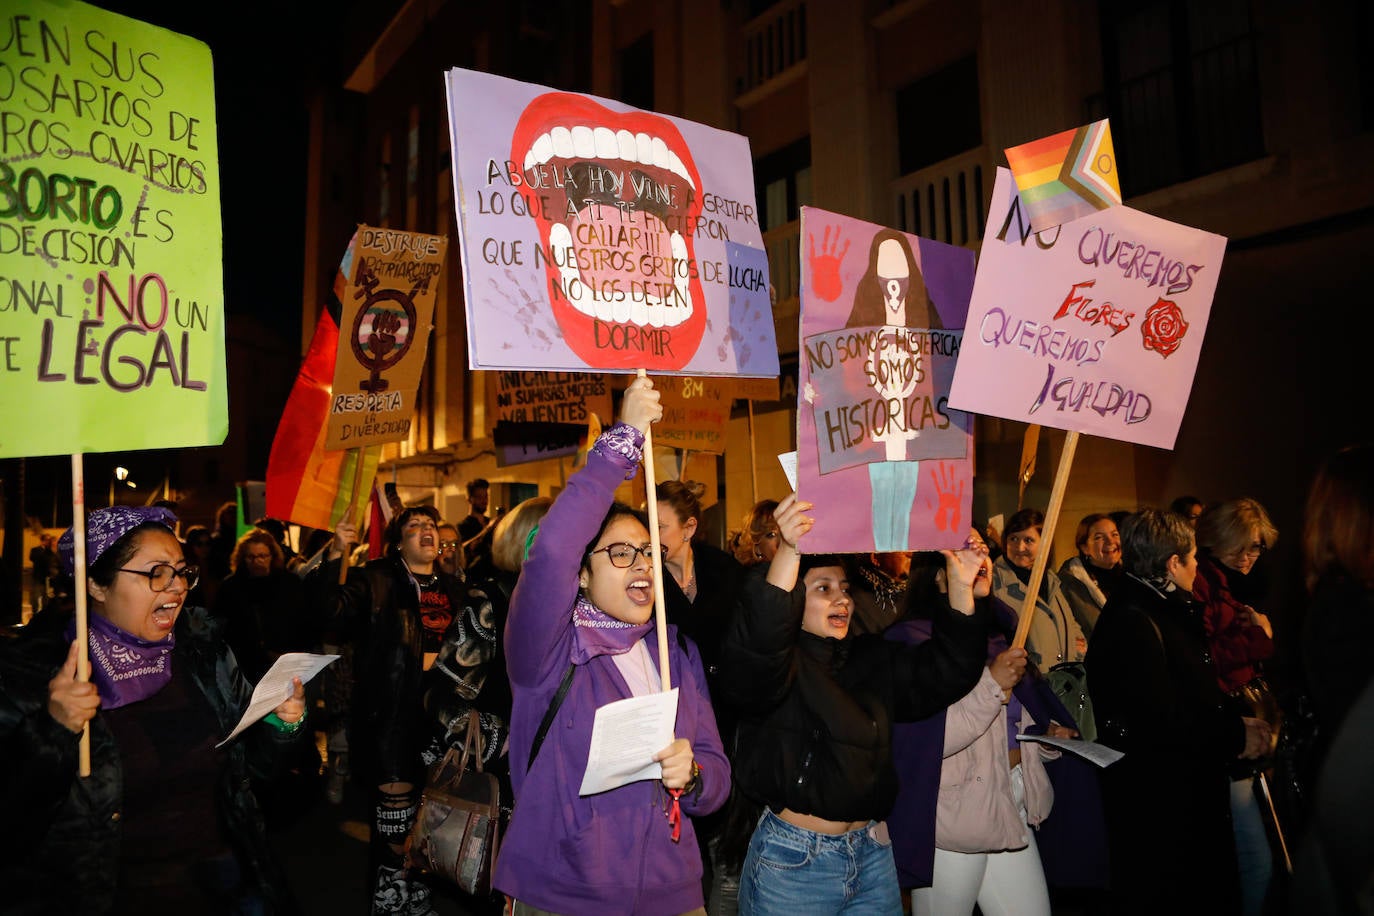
(306, 484)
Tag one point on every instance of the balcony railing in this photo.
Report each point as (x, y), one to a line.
(774, 41)
(948, 201)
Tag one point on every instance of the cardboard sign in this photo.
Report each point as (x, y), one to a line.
(384, 329)
(548, 397)
(696, 412)
(1094, 326)
(521, 443)
(111, 288)
(597, 236)
(886, 461)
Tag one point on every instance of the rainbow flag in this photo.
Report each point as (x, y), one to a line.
(1066, 175)
(306, 484)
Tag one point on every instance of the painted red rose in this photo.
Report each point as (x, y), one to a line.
(1163, 327)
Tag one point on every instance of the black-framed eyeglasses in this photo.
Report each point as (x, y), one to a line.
(161, 575)
(622, 556)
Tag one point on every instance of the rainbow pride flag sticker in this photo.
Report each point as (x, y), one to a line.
(1066, 175)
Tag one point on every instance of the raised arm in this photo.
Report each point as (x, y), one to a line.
(539, 617)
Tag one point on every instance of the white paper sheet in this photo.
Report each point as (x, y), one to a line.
(788, 460)
(1090, 751)
(275, 686)
(626, 735)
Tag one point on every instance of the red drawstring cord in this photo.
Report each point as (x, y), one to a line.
(675, 813)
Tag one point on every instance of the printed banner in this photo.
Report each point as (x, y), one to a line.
(110, 241)
(596, 236)
(548, 397)
(882, 314)
(1094, 326)
(1067, 175)
(388, 310)
(521, 443)
(696, 412)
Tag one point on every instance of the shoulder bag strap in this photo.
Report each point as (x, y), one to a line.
(554, 704)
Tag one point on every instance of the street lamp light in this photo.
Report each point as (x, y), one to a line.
(121, 475)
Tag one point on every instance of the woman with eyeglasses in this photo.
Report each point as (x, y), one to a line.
(1231, 537)
(163, 823)
(581, 635)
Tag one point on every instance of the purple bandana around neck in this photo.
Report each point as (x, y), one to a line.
(125, 668)
(598, 633)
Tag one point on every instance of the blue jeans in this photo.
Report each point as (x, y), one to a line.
(790, 870)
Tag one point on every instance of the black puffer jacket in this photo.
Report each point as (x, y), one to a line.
(59, 852)
(816, 720)
(378, 611)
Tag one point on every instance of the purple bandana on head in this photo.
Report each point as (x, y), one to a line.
(105, 526)
(598, 633)
(125, 668)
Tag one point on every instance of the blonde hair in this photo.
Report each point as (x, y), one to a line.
(1225, 529)
(511, 537)
(757, 522)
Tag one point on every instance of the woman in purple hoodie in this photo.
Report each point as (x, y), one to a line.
(580, 635)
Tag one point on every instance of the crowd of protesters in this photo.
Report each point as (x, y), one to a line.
(854, 733)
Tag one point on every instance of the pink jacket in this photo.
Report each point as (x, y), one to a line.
(976, 811)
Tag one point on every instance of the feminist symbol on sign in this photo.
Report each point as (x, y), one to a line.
(389, 318)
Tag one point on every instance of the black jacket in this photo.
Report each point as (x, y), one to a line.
(59, 851)
(816, 720)
(1155, 697)
(378, 610)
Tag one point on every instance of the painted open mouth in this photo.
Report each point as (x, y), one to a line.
(620, 199)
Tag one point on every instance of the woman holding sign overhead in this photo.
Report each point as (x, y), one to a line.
(164, 823)
(817, 707)
(580, 636)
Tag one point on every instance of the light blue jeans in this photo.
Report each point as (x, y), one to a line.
(1253, 855)
(790, 870)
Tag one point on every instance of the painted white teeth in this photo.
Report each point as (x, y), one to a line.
(605, 144)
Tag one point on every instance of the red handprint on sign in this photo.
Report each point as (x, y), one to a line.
(947, 495)
(825, 267)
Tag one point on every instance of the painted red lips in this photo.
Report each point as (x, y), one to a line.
(621, 202)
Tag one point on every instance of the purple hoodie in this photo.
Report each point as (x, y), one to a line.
(612, 852)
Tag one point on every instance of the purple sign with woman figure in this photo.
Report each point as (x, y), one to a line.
(882, 316)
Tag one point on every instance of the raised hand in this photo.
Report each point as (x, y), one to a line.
(641, 406)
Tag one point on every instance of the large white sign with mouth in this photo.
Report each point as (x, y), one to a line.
(594, 235)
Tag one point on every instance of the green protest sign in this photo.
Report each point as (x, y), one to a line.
(111, 286)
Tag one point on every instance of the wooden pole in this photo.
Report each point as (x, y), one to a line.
(83, 646)
(651, 501)
(1042, 556)
(753, 459)
(351, 512)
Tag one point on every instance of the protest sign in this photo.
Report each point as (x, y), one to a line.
(384, 325)
(109, 234)
(548, 397)
(696, 412)
(521, 443)
(1094, 326)
(881, 320)
(1067, 175)
(597, 236)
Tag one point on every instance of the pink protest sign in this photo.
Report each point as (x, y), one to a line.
(597, 236)
(886, 461)
(1094, 326)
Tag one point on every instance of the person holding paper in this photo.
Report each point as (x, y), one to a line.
(1156, 699)
(817, 707)
(1088, 579)
(581, 624)
(164, 823)
(991, 788)
(1054, 636)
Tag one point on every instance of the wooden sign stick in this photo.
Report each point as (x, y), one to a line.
(753, 458)
(651, 500)
(83, 646)
(351, 512)
(1042, 556)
